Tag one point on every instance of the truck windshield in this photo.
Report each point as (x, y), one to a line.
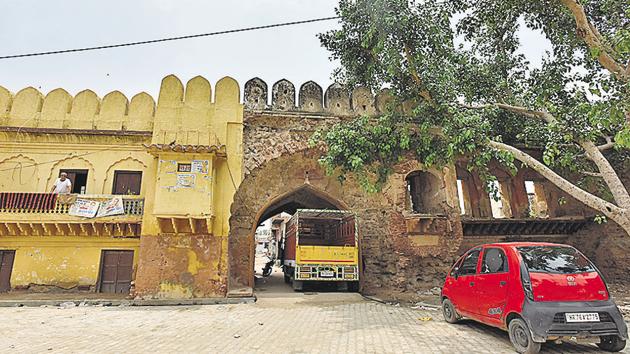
(555, 259)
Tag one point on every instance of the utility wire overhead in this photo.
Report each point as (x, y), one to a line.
(129, 44)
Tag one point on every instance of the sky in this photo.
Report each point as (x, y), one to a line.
(292, 53)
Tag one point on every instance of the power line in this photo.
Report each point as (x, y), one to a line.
(129, 44)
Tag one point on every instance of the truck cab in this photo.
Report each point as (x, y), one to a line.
(321, 246)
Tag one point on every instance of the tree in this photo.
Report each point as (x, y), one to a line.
(460, 86)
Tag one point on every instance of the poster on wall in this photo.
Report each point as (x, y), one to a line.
(84, 208)
(185, 180)
(111, 207)
(200, 166)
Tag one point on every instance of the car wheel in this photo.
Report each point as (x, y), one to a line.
(449, 312)
(611, 343)
(521, 337)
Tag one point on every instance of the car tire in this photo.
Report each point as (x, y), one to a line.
(611, 343)
(521, 337)
(449, 312)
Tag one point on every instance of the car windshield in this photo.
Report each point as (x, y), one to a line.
(555, 259)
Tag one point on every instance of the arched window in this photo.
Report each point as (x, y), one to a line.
(425, 193)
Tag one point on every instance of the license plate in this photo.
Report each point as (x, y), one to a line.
(582, 317)
(326, 273)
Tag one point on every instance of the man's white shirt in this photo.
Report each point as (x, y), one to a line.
(62, 187)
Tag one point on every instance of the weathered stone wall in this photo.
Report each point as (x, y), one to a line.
(182, 266)
(399, 250)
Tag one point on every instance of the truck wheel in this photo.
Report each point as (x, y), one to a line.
(449, 312)
(298, 285)
(353, 286)
(611, 343)
(521, 337)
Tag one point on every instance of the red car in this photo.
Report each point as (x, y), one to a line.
(538, 292)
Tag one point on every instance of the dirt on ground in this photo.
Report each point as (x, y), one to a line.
(619, 292)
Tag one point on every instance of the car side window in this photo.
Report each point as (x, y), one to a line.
(494, 261)
(456, 266)
(469, 265)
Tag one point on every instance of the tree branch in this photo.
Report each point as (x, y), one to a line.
(611, 210)
(594, 40)
(612, 180)
(414, 74)
(592, 174)
(546, 116)
(609, 144)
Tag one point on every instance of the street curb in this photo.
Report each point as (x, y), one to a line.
(130, 302)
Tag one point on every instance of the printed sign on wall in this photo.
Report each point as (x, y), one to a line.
(185, 180)
(183, 167)
(84, 208)
(111, 207)
(200, 166)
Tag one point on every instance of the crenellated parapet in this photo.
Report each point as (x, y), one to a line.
(311, 98)
(29, 108)
(195, 115)
(182, 112)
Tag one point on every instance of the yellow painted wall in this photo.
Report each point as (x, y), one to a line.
(43, 134)
(31, 162)
(65, 261)
(189, 116)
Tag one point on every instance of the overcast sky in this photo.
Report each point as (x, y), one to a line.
(292, 52)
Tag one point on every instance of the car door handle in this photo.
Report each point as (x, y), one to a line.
(502, 282)
(472, 283)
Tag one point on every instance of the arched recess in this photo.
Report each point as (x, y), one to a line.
(427, 193)
(19, 173)
(287, 183)
(127, 164)
(74, 163)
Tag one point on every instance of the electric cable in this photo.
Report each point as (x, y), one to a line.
(151, 41)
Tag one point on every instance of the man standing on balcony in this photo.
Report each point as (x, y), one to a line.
(62, 184)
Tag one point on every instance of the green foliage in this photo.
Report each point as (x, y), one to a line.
(439, 58)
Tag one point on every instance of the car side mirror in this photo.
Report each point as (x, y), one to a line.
(456, 272)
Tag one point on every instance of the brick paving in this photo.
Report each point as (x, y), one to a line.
(281, 323)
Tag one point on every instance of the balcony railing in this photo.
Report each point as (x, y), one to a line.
(49, 203)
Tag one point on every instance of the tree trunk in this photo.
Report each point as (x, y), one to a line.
(619, 215)
(609, 175)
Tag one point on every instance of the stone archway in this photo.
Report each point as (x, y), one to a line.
(389, 257)
(287, 183)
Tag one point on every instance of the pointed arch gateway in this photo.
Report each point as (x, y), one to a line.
(246, 217)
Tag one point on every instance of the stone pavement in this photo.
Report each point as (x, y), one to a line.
(289, 323)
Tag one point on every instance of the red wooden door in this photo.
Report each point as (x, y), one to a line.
(6, 266)
(127, 182)
(116, 272)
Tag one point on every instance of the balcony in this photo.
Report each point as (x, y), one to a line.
(43, 214)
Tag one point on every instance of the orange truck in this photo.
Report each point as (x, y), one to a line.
(321, 246)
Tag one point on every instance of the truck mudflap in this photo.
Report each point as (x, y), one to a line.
(548, 320)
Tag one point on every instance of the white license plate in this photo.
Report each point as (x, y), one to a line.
(582, 317)
(326, 273)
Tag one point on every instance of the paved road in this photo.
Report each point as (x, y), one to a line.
(296, 323)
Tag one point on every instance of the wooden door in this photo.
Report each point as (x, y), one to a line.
(127, 182)
(116, 271)
(6, 266)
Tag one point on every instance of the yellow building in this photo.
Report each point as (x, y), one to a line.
(174, 165)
